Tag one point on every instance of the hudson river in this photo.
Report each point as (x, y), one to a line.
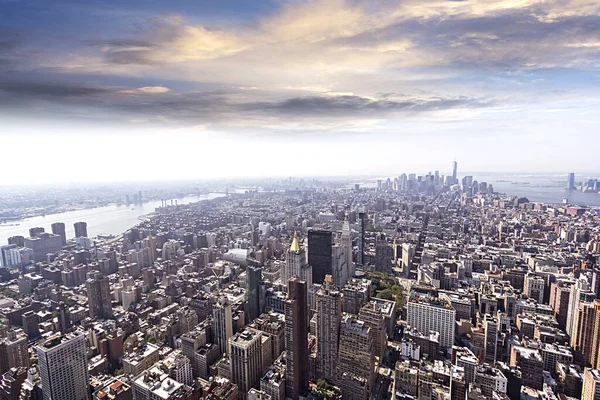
(111, 219)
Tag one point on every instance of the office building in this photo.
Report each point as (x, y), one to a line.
(357, 293)
(222, 323)
(63, 367)
(296, 338)
(454, 172)
(432, 314)
(58, 228)
(534, 287)
(490, 380)
(80, 229)
(296, 265)
(530, 363)
(34, 232)
(571, 181)
(140, 359)
(340, 268)
(329, 318)
(587, 333)
(356, 359)
(346, 243)
(156, 384)
(362, 226)
(253, 283)
(99, 298)
(320, 253)
(13, 350)
(245, 352)
(371, 315)
(43, 244)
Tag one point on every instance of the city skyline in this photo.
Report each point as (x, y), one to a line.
(197, 85)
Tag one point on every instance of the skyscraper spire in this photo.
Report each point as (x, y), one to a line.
(295, 247)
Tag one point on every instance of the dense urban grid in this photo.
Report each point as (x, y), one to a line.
(424, 287)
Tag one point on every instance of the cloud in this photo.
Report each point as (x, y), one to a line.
(146, 90)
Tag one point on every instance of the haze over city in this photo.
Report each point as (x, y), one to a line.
(262, 88)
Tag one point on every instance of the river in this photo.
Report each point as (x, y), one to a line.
(112, 219)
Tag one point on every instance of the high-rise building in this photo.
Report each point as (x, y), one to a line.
(34, 232)
(571, 181)
(296, 338)
(253, 283)
(346, 242)
(99, 299)
(356, 359)
(245, 357)
(13, 350)
(591, 385)
(329, 319)
(362, 226)
(63, 366)
(296, 265)
(356, 293)
(17, 240)
(319, 253)
(340, 270)
(587, 333)
(80, 229)
(43, 244)
(433, 314)
(222, 323)
(371, 315)
(490, 325)
(454, 172)
(58, 228)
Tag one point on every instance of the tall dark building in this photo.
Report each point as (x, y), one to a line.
(362, 225)
(253, 282)
(296, 338)
(98, 291)
(34, 232)
(571, 181)
(80, 229)
(64, 317)
(58, 228)
(320, 253)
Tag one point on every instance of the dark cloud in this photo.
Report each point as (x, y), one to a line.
(220, 107)
(38, 90)
(347, 105)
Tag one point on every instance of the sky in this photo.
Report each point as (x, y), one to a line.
(148, 89)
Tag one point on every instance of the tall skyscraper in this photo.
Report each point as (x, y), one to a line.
(222, 323)
(58, 228)
(63, 367)
(428, 315)
(296, 338)
(319, 253)
(362, 225)
(356, 359)
(329, 319)
(80, 229)
(246, 362)
(99, 299)
(296, 265)
(571, 181)
(454, 172)
(346, 242)
(253, 282)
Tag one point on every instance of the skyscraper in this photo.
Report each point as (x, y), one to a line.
(356, 359)
(80, 229)
(223, 323)
(329, 319)
(454, 172)
(98, 291)
(296, 338)
(571, 181)
(319, 253)
(63, 367)
(296, 265)
(245, 356)
(34, 232)
(362, 225)
(346, 242)
(58, 228)
(253, 282)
